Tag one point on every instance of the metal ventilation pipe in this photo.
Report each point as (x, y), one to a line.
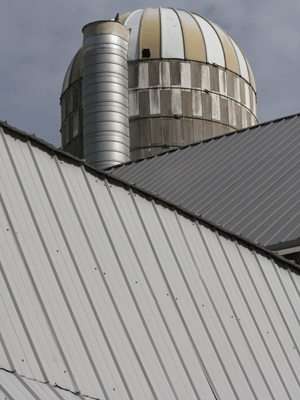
(105, 94)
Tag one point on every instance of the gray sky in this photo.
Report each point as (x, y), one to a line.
(40, 37)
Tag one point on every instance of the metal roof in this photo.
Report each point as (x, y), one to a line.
(246, 181)
(113, 293)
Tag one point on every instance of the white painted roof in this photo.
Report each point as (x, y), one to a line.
(113, 293)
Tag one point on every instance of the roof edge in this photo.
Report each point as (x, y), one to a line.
(16, 133)
(284, 245)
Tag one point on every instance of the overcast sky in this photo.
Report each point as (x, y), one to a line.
(40, 37)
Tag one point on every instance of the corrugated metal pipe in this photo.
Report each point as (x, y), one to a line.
(105, 94)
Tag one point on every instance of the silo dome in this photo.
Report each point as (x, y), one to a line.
(166, 33)
(188, 80)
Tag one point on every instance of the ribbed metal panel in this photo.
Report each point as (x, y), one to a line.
(195, 47)
(231, 59)
(134, 19)
(247, 182)
(149, 34)
(242, 61)
(107, 291)
(105, 94)
(15, 387)
(214, 50)
(171, 35)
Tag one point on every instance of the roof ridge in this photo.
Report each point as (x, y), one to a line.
(58, 152)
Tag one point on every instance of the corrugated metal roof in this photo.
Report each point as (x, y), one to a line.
(108, 292)
(15, 387)
(247, 181)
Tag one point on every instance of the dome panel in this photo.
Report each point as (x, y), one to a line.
(76, 69)
(230, 54)
(123, 17)
(242, 63)
(67, 76)
(214, 50)
(171, 35)
(252, 81)
(149, 37)
(193, 39)
(133, 21)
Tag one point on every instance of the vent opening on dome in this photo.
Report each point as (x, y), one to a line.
(146, 53)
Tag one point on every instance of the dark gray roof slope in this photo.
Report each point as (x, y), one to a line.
(247, 181)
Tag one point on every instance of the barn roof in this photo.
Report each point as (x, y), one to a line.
(110, 292)
(246, 181)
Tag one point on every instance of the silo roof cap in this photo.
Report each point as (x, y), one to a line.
(167, 33)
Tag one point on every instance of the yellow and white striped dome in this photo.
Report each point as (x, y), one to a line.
(176, 34)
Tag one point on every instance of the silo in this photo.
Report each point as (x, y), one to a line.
(188, 80)
(94, 101)
(105, 94)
